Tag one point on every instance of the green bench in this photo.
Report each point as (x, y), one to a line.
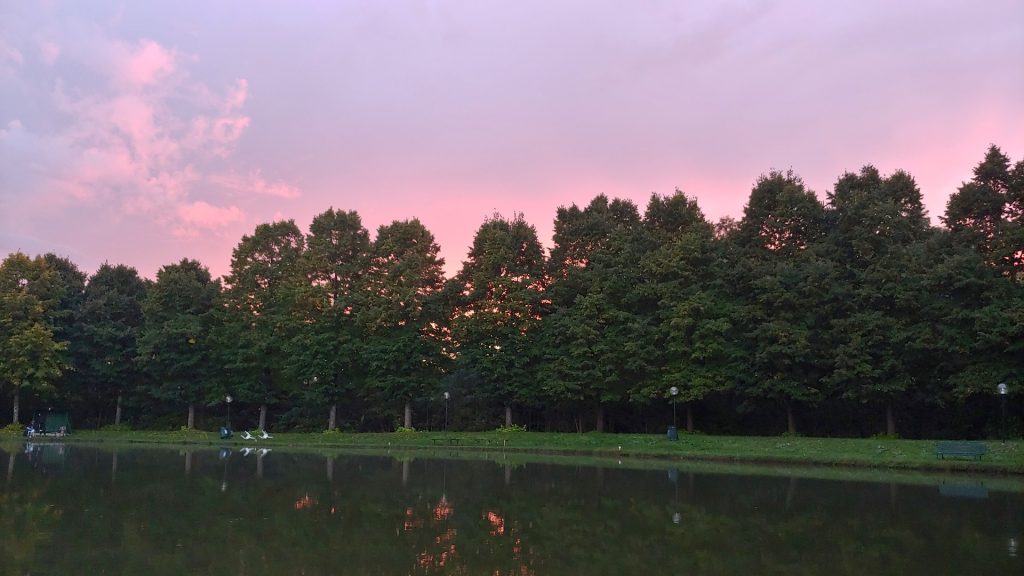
(452, 441)
(966, 449)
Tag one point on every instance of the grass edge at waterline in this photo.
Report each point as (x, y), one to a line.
(1001, 458)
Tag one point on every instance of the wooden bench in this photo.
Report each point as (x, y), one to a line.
(967, 449)
(451, 441)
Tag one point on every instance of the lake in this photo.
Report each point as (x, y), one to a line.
(74, 509)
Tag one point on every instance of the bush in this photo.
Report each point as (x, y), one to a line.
(12, 430)
(511, 428)
(122, 427)
(404, 430)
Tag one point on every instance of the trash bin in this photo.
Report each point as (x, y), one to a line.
(225, 432)
(673, 433)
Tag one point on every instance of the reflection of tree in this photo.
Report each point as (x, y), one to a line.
(552, 520)
(26, 526)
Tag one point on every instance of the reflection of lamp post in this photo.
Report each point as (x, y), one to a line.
(446, 397)
(673, 432)
(1003, 389)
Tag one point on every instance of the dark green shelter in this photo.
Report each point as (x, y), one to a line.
(52, 422)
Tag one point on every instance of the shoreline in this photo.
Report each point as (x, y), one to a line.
(840, 453)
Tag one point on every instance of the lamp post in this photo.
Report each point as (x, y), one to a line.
(673, 432)
(1002, 388)
(446, 397)
(228, 399)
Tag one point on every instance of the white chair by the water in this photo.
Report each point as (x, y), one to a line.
(264, 435)
(247, 435)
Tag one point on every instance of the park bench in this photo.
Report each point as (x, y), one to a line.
(967, 449)
(451, 441)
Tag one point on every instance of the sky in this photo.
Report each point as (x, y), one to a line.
(141, 133)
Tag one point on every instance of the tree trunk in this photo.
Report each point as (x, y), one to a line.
(600, 418)
(407, 421)
(332, 420)
(10, 466)
(117, 412)
(890, 423)
(263, 417)
(508, 414)
(188, 463)
(790, 421)
(17, 405)
(689, 418)
(191, 416)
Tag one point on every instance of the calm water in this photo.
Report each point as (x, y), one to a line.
(79, 510)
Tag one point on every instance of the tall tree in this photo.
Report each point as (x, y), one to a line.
(876, 222)
(778, 278)
(498, 297)
(693, 322)
(326, 346)
(109, 323)
(259, 300)
(176, 344)
(590, 340)
(403, 316)
(30, 357)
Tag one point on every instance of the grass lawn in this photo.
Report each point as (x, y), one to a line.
(1001, 458)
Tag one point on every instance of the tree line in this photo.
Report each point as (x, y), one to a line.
(851, 316)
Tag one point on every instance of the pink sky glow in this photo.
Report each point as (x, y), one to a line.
(142, 133)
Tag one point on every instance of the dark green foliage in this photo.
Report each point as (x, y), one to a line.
(176, 346)
(850, 316)
(109, 324)
(403, 317)
(498, 300)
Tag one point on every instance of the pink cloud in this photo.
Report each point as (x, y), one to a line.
(143, 64)
(203, 215)
(49, 52)
(253, 183)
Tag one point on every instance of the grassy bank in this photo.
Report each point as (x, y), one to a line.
(1001, 458)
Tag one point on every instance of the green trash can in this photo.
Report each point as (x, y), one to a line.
(673, 433)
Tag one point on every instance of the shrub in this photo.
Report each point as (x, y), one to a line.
(404, 430)
(122, 427)
(511, 428)
(12, 430)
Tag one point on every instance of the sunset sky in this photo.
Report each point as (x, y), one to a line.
(144, 132)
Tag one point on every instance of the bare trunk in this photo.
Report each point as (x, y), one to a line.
(890, 423)
(191, 416)
(790, 421)
(689, 418)
(17, 405)
(508, 414)
(263, 417)
(405, 473)
(600, 418)
(407, 420)
(117, 411)
(332, 419)
(10, 466)
(330, 468)
(188, 463)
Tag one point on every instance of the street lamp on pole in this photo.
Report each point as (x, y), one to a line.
(228, 399)
(673, 432)
(1002, 388)
(446, 397)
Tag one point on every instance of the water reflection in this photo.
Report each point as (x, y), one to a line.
(259, 512)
